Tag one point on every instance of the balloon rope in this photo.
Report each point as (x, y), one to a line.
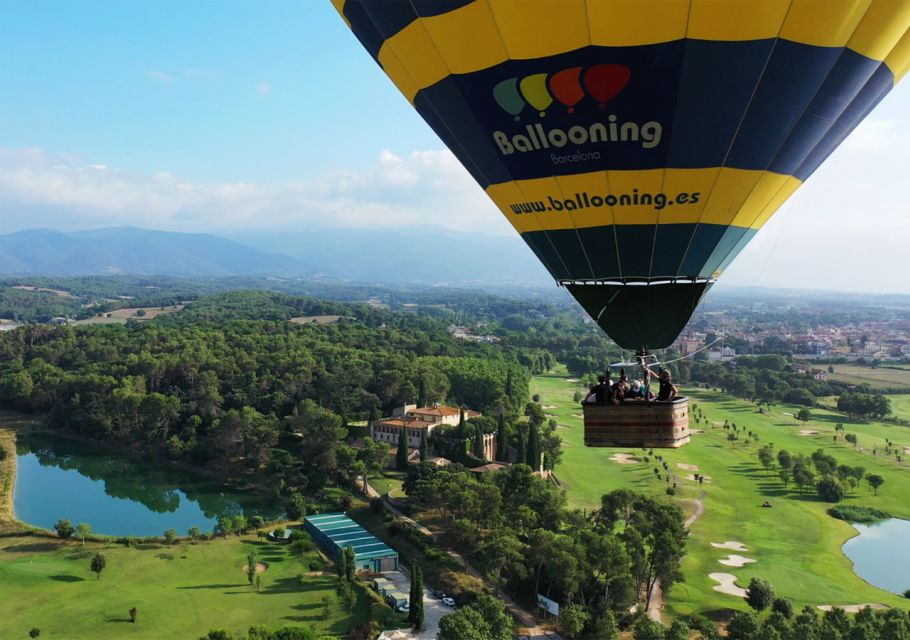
(689, 355)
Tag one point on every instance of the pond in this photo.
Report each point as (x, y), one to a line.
(880, 554)
(116, 494)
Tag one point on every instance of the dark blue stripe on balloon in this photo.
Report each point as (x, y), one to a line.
(876, 88)
(718, 103)
(374, 21)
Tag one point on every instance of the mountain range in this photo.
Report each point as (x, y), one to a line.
(423, 255)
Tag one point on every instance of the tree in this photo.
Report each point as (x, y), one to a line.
(170, 536)
(421, 393)
(647, 629)
(782, 606)
(82, 531)
(572, 620)
(461, 423)
(424, 446)
(134, 613)
(401, 455)
(759, 594)
(533, 453)
(875, 481)
(679, 630)
(484, 619)
(743, 626)
(830, 490)
(64, 528)
(99, 562)
(501, 438)
(415, 611)
(521, 448)
(194, 533)
(604, 627)
(804, 415)
(251, 567)
(851, 438)
(34, 632)
(766, 456)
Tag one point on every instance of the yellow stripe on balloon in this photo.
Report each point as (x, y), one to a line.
(488, 32)
(718, 195)
(899, 58)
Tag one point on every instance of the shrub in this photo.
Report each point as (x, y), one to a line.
(852, 513)
(830, 490)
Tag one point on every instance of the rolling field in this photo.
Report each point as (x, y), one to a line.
(795, 543)
(180, 592)
(878, 377)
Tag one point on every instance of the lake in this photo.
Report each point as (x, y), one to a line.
(880, 554)
(116, 494)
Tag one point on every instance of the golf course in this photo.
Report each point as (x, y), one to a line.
(178, 590)
(795, 544)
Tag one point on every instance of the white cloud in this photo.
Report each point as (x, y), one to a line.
(263, 88)
(160, 76)
(423, 187)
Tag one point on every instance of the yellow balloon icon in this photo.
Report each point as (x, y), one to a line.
(534, 90)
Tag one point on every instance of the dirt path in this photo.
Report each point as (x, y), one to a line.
(657, 594)
(7, 475)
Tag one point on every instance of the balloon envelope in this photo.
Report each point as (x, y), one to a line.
(637, 145)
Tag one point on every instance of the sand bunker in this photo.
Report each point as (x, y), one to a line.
(733, 545)
(562, 426)
(687, 467)
(691, 477)
(853, 608)
(734, 560)
(624, 458)
(696, 430)
(260, 567)
(727, 584)
(807, 432)
(571, 379)
(577, 415)
(549, 406)
(907, 450)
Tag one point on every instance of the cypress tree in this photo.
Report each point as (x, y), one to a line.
(522, 452)
(533, 447)
(501, 438)
(509, 384)
(422, 394)
(401, 456)
(424, 446)
(478, 444)
(415, 611)
(374, 416)
(461, 424)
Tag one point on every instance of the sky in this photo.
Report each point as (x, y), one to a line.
(229, 116)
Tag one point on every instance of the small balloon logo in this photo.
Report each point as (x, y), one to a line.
(507, 96)
(605, 81)
(534, 90)
(565, 86)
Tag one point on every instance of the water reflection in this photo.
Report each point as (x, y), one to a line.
(116, 494)
(880, 554)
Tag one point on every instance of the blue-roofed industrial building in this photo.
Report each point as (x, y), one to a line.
(335, 531)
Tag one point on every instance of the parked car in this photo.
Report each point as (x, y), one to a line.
(439, 595)
(449, 602)
(404, 608)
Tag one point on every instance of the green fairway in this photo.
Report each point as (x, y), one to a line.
(900, 406)
(795, 543)
(180, 592)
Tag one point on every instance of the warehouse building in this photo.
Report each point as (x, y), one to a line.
(335, 531)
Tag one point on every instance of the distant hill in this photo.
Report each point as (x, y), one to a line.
(128, 250)
(422, 255)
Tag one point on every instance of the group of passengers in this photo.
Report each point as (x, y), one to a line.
(622, 390)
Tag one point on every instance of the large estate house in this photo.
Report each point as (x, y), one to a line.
(415, 419)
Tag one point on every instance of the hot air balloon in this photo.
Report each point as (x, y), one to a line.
(638, 145)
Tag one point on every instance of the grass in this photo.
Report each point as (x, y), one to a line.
(797, 545)
(900, 405)
(180, 592)
(878, 377)
(388, 481)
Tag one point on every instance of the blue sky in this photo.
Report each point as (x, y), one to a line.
(209, 91)
(227, 116)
